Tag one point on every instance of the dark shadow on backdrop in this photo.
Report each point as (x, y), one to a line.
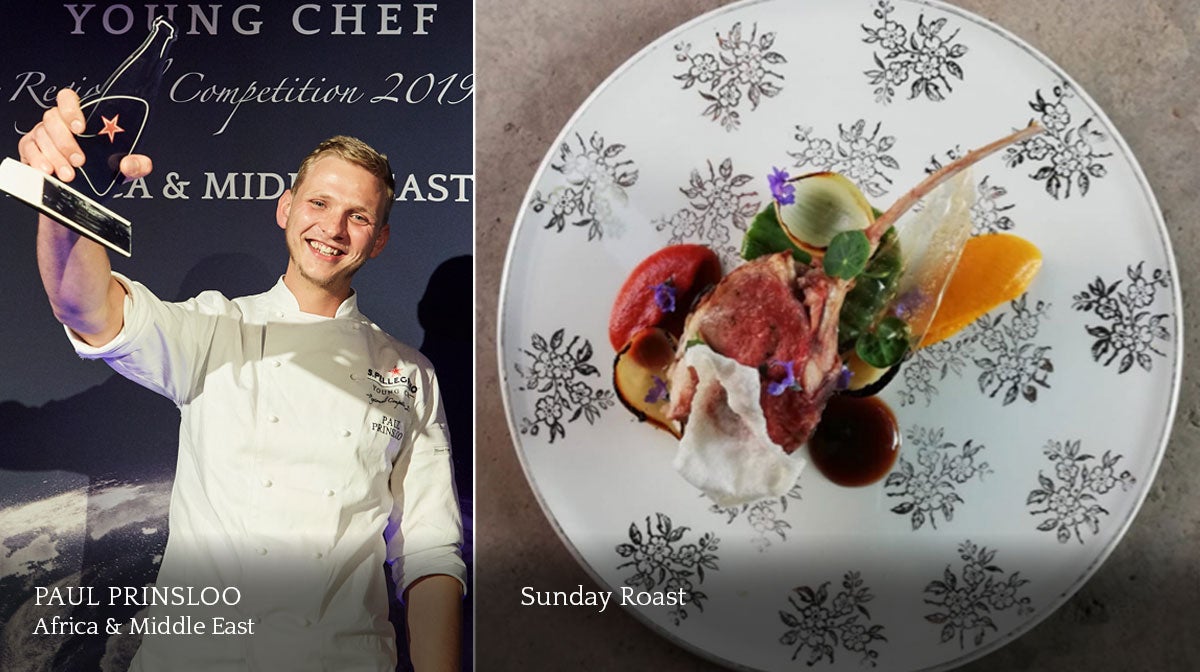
(445, 313)
(449, 344)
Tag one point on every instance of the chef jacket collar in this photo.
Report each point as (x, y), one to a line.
(281, 298)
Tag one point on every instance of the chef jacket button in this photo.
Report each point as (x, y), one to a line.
(262, 551)
(318, 555)
(266, 483)
(354, 376)
(279, 313)
(345, 432)
(305, 622)
(276, 363)
(328, 492)
(272, 418)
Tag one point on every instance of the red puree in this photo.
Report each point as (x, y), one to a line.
(690, 269)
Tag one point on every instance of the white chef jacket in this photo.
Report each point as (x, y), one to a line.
(311, 451)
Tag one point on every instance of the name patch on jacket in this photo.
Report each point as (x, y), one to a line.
(391, 387)
(387, 425)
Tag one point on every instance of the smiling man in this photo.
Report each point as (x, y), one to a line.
(333, 221)
(312, 448)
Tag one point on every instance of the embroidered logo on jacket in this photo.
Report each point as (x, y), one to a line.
(392, 387)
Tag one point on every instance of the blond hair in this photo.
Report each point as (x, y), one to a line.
(358, 153)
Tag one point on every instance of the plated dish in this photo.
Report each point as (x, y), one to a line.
(1029, 439)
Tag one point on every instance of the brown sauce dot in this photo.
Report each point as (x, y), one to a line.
(856, 441)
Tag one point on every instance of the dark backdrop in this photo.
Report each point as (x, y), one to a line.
(86, 458)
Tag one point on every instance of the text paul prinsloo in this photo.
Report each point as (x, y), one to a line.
(143, 596)
(601, 598)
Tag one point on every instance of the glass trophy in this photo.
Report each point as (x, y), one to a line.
(115, 119)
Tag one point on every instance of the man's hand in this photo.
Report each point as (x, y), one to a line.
(51, 146)
(75, 271)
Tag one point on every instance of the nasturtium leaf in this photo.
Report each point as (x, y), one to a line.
(847, 255)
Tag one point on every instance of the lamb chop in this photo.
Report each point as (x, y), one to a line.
(769, 314)
(780, 318)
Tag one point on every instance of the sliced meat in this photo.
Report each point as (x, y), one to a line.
(766, 314)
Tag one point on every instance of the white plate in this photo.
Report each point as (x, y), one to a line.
(1031, 438)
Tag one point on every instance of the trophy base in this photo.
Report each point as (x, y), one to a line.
(65, 205)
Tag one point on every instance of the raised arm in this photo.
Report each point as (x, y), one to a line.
(75, 271)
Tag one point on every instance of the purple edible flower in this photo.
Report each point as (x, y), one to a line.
(788, 383)
(781, 189)
(664, 296)
(844, 377)
(908, 303)
(658, 392)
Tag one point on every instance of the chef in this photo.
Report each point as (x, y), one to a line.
(313, 448)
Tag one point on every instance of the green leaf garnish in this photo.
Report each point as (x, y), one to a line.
(765, 236)
(872, 291)
(847, 255)
(886, 344)
(695, 340)
(886, 262)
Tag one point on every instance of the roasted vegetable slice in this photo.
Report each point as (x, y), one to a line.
(825, 205)
(640, 377)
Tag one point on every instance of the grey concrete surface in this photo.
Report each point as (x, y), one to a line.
(539, 59)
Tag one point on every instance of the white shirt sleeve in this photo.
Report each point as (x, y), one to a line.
(159, 345)
(424, 532)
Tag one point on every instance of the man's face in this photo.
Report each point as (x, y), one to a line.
(333, 223)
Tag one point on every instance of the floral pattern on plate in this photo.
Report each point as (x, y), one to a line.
(558, 376)
(1069, 501)
(719, 207)
(763, 516)
(1001, 345)
(596, 176)
(1131, 331)
(924, 54)
(989, 213)
(662, 564)
(969, 600)
(820, 625)
(931, 486)
(1070, 150)
(861, 157)
(741, 67)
